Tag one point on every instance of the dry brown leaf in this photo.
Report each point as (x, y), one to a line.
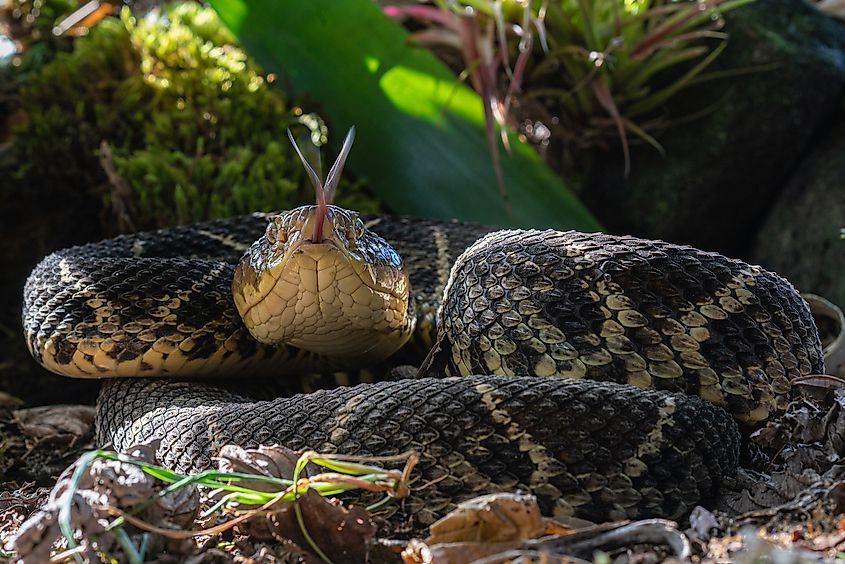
(499, 517)
(821, 381)
(565, 525)
(819, 386)
(274, 461)
(418, 552)
(344, 535)
(574, 547)
(55, 421)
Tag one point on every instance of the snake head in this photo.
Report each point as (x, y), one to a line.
(321, 281)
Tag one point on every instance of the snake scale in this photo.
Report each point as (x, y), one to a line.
(604, 374)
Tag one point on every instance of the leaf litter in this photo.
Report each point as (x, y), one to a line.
(265, 505)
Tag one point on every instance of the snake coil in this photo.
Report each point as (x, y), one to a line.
(574, 361)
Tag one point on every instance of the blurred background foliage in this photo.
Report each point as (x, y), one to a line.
(166, 118)
(584, 72)
(165, 115)
(160, 112)
(420, 140)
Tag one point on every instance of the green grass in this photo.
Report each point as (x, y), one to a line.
(345, 474)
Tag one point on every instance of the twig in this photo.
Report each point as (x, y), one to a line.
(122, 207)
(649, 531)
(64, 555)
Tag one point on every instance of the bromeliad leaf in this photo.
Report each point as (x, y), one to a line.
(421, 141)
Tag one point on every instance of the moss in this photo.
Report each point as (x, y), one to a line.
(74, 102)
(193, 126)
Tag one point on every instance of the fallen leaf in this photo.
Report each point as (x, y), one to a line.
(821, 381)
(419, 552)
(344, 534)
(499, 517)
(565, 525)
(55, 421)
(274, 461)
(819, 386)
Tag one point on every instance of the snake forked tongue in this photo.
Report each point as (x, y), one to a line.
(324, 192)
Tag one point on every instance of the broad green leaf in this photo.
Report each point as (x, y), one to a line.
(420, 134)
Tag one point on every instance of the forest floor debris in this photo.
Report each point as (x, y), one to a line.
(791, 509)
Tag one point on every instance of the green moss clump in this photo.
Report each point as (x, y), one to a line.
(192, 125)
(74, 102)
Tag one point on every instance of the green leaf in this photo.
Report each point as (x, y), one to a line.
(420, 142)
(649, 104)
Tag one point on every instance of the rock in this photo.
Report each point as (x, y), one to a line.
(800, 238)
(722, 171)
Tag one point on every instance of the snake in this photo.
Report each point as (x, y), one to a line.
(611, 377)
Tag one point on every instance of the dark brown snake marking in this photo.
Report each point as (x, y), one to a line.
(543, 304)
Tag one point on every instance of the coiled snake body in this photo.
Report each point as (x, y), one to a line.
(532, 317)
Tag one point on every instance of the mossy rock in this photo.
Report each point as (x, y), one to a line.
(722, 172)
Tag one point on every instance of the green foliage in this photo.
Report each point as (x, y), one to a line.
(623, 60)
(589, 70)
(73, 103)
(420, 134)
(29, 24)
(192, 125)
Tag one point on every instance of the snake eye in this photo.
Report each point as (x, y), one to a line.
(355, 230)
(275, 234)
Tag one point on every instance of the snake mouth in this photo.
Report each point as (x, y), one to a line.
(326, 298)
